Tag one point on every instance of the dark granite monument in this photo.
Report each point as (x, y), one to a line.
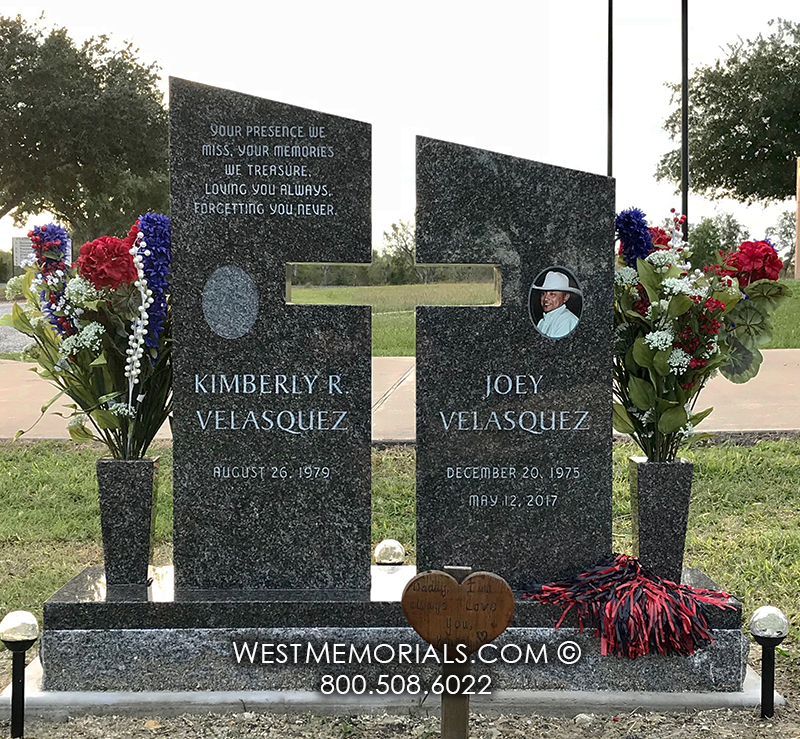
(272, 401)
(272, 433)
(514, 400)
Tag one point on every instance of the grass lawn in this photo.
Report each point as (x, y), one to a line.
(744, 528)
(393, 324)
(786, 320)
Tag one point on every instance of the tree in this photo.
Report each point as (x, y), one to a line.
(83, 131)
(722, 232)
(782, 234)
(744, 121)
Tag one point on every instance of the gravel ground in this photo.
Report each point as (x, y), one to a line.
(723, 723)
(11, 340)
(719, 723)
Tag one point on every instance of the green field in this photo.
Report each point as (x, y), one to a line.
(743, 528)
(786, 320)
(393, 325)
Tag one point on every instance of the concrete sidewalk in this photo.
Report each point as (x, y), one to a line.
(770, 402)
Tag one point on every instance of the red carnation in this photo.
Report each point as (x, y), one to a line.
(107, 262)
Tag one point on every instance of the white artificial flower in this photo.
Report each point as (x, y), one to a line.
(626, 276)
(679, 361)
(659, 340)
(89, 337)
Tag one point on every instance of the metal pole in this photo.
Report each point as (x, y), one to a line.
(685, 116)
(767, 681)
(18, 695)
(610, 82)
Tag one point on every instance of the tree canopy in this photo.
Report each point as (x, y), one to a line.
(83, 131)
(722, 232)
(744, 121)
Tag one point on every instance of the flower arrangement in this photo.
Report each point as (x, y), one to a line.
(675, 328)
(103, 332)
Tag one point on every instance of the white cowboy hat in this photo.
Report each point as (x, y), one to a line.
(556, 281)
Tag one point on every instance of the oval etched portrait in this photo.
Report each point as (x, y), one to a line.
(230, 302)
(555, 302)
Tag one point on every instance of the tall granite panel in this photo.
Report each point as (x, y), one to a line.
(272, 400)
(513, 403)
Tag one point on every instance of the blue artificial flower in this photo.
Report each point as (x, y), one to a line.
(634, 236)
(156, 232)
(52, 247)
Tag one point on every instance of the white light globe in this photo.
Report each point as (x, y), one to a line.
(19, 626)
(390, 552)
(769, 622)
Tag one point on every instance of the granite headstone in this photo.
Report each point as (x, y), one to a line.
(514, 400)
(272, 400)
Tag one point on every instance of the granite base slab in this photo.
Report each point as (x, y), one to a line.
(55, 705)
(215, 641)
(298, 659)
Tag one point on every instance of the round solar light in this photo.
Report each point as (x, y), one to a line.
(769, 627)
(390, 552)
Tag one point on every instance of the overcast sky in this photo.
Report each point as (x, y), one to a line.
(526, 78)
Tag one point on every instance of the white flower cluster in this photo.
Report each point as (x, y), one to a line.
(133, 366)
(89, 337)
(122, 410)
(14, 287)
(626, 276)
(687, 430)
(676, 285)
(679, 361)
(660, 340)
(661, 259)
(80, 291)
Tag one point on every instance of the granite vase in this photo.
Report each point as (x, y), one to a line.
(660, 495)
(127, 493)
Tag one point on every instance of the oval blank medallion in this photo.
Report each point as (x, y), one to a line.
(230, 302)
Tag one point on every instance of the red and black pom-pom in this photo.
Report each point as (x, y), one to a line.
(633, 611)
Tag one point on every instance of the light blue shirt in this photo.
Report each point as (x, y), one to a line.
(557, 323)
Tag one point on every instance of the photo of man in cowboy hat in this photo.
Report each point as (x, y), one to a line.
(553, 295)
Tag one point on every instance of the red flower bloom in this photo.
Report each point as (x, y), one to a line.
(659, 236)
(107, 262)
(754, 260)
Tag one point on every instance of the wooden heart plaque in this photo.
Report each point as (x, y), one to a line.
(444, 612)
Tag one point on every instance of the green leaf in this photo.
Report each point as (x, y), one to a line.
(672, 420)
(649, 279)
(696, 418)
(642, 393)
(101, 360)
(768, 293)
(679, 305)
(51, 401)
(79, 432)
(727, 298)
(621, 419)
(742, 364)
(7, 320)
(105, 419)
(642, 353)
(20, 321)
(661, 362)
(753, 326)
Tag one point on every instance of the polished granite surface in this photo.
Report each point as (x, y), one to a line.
(86, 603)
